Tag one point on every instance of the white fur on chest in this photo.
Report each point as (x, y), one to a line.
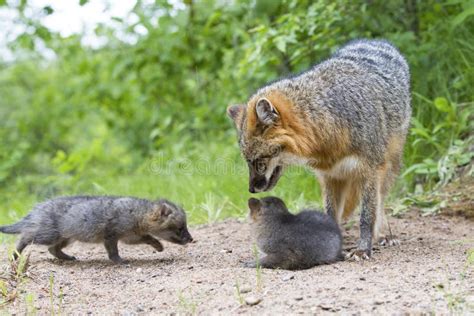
(343, 169)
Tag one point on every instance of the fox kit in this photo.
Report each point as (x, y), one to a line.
(58, 222)
(346, 118)
(294, 241)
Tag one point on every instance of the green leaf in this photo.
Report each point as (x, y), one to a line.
(82, 2)
(48, 10)
(280, 44)
(460, 18)
(442, 105)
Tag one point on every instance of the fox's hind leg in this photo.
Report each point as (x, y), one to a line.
(382, 232)
(21, 245)
(56, 250)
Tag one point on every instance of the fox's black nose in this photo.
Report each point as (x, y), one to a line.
(257, 185)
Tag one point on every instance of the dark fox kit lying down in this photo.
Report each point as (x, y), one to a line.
(108, 219)
(294, 241)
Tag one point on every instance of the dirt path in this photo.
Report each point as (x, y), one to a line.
(427, 273)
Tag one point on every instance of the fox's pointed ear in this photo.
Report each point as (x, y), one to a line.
(233, 111)
(266, 112)
(165, 210)
(254, 205)
(161, 211)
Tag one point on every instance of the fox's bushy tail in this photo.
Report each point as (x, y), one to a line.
(12, 229)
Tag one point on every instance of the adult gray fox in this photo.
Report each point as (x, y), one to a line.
(346, 118)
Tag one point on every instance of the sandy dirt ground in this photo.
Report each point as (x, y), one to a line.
(428, 272)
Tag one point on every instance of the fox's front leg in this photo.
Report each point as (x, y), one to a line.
(334, 192)
(110, 243)
(330, 193)
(370, 197)
(155, 243)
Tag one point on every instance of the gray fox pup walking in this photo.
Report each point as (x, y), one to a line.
(108, 219)
(346, 118)
(294, 241)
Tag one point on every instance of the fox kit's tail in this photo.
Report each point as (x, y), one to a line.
(12, 229)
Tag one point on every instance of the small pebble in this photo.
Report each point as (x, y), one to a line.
(139, 270)
(325, 306)
(245, 289)
(252, 300)
(287, 277)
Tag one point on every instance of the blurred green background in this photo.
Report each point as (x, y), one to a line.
(143, 112)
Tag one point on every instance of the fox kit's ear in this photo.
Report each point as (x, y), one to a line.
(233, 111)
(165, 210)
(161, 211)
(266, 112)
(254, 205)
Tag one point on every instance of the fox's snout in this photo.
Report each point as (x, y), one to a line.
(187, 237)
(260, 183)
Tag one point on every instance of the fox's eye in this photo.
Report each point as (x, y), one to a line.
(275, 151)
(261, 167)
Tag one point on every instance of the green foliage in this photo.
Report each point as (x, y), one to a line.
(93, 120)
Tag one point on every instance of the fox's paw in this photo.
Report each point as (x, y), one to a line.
(119, 260)
(358, 254)
(68, 258)
(158, 246)
(250, 264)
(389, 241)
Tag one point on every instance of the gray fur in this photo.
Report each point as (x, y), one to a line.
(294, 241)
(94, 219)
(364, 85)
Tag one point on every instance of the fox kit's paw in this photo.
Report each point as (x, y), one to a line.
(118, 260)
(389, 241)
(250, 264)
(58, 253)
(358, 254)
(68, 258)
(158, 246)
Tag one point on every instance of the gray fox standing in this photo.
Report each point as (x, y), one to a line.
(293, 242)
(108, 219)
(346, 118)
